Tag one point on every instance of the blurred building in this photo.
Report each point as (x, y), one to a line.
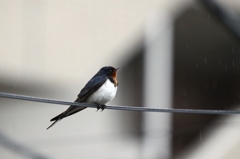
(171, 54)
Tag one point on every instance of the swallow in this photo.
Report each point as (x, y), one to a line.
(100, 89)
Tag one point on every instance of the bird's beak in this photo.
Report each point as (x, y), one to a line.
(116, 69)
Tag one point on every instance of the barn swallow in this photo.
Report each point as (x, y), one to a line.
(101, 89)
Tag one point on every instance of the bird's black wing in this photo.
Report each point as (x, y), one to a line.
(95, 83)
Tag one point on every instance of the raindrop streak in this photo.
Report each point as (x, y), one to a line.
(220, 60)
(185, 103)
(187, 46)
(205, 61)
(197, 65)
(200, 136)
(185, 93)
(208, 16)
(226, 67)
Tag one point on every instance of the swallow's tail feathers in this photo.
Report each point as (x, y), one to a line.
(56, 119)
(70, 111)
(53, 123)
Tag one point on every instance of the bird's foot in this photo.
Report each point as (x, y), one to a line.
(100, 106)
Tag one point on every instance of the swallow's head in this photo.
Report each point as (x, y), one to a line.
(110, 71)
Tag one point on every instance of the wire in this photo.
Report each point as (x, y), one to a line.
(115, 107)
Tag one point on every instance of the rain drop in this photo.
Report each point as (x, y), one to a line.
(226, 67)
(205, 60)
(200, 136)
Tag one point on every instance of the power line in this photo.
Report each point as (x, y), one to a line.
(116, 107)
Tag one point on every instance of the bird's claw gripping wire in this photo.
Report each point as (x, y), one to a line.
(100, 106)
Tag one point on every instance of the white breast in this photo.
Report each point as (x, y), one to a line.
(104, 94)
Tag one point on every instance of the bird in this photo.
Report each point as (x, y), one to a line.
(100, 89)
